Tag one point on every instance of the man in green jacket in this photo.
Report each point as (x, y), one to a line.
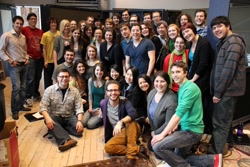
(188, 116)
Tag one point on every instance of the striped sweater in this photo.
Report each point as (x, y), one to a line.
(229, 72)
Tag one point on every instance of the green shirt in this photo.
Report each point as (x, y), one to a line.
(189, 108)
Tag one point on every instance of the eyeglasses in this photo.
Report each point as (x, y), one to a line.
(64, 77)
(113, 90)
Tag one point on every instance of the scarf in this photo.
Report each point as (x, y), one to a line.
(171, 45)
(175, 52)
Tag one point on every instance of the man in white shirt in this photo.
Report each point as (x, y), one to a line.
(13, 49)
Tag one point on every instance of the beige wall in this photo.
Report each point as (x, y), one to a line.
(159, 4)
(140, 4)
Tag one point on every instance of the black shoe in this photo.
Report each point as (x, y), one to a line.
(144, 151)
(38, 98)
(15, 116)
(25, 109)
(130, 163)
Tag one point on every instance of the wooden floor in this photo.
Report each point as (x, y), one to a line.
(36, 151)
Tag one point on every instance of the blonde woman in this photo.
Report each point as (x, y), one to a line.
(98, 39)
(61, 42)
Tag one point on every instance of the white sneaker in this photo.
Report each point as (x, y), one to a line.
(163, 164)
(28, 102)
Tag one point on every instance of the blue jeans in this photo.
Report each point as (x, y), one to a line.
(91, 121)
(205, 160)
(18, 76)
(181, 141)
(2, 107)
(63, 127)
(47, 75)
(222, 122)
(34, 74)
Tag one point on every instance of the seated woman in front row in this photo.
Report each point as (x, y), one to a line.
(161, 104)
(78, 81)
(96, 86)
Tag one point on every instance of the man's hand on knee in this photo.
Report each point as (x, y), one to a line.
(118, 128)
(79, 127)
(50, 123)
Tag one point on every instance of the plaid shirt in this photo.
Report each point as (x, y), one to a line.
(53, 101)
(202, 31)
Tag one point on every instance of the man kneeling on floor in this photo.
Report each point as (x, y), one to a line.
(61, 107)
(120, 129)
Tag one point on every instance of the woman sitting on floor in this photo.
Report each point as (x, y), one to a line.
(96, 85)
(161, 105)
(78, 81)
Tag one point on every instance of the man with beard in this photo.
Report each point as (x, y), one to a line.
(120, 130)
(61, 107)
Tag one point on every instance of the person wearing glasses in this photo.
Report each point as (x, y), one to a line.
(68, 64)
(156, 17)
(121, 132)
(134, 19)
(62, 109)
(33, 36)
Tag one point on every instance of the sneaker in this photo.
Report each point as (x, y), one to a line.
(218, 160)
(163, 164)
(28, 102)
(67, 145)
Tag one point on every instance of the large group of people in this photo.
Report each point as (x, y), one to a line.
(130, 77)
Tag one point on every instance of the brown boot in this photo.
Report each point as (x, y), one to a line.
(67, 145)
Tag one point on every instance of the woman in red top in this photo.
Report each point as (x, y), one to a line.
(180, 53)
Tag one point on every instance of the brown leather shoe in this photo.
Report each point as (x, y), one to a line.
(67, 145)
(130, 163)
